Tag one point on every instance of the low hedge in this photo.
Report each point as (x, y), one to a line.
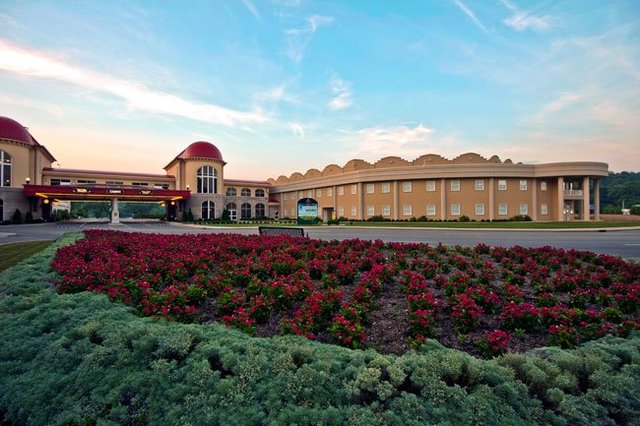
(81, 359)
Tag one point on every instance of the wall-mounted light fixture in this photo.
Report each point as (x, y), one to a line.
(28, 180)
(46, 201)
(188, 189)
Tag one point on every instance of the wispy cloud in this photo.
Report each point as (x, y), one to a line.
(559, 103)
(299, 38)
(342, 95)
(297, 129)
(524, 20)
(373, 143)
(279, 93)
(252, 8)
(136, 95)
(471, 15)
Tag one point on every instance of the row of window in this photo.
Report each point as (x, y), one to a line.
(385, 188)
(209, 210)
(245, 192)
(5, 169)
(63, 182)
(431, 210)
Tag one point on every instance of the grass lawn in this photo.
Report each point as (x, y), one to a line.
(10, 254)
(502, 225)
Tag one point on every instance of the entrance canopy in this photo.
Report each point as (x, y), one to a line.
(104, 193)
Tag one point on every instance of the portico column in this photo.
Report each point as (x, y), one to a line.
(443, 199)
(115, 214)
(335, 202)
(361, 200)
(596, 199)
(585, 199)
(534, 200)
(396, 200)
(560, 199)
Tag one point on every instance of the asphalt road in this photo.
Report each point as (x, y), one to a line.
(625, 243)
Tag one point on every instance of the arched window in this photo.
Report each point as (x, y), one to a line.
(231, 192)
(259, 192)
(233, 211)
(207, 178)
(208, 209)
(245, 211)
(245, 192)
(5, 170)
(260, 210)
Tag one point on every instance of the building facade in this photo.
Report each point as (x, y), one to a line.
(194, 181)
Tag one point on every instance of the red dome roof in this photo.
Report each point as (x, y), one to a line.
(201, 149)
(11, 129)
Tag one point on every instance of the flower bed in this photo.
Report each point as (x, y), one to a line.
(483, 300)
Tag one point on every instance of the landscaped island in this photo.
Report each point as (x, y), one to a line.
(79, 358)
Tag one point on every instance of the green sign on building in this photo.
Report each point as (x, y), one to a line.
(307, 211)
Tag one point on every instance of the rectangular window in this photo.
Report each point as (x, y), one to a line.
(524, 208)
(455, 185)
(502, 209)
(354, 211)
(406, 209)
(523, 184)
(431, 186)
(329, 192)
(386, 188)
(455, 209)
(370, 188)
(140, 183)
(386, 211)
(543, 185)
(502, 185)
(340, 211)
(319, 193)
(310, 193)
(85, 181)
(341, 190)
(161, 185)
(354, 189)
(479, 184)
(371, 211)
(480, 209)
(544, 209)
(114, 182)
(406, 186)
(286, 196)
(431, 209)
(57, 182)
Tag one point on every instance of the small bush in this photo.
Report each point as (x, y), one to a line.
(16, 219)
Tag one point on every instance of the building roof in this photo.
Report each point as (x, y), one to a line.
(109, 173)
(200, 149)
(12, 130)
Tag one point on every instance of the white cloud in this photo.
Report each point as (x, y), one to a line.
(471, 15)
(342, 95)
(297, 129)
(299, 38)
(136, 95)
(523, 20)
(252, 8)
(373, 143)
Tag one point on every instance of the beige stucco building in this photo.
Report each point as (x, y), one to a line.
(430, 186)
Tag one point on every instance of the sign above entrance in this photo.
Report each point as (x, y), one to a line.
(307, 211)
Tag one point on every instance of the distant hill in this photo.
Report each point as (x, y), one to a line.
(618, 187)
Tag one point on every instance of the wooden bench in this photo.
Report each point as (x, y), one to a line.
(274, 230)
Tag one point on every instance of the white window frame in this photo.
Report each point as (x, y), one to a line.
(455, 209)
(354, 211)
(455, 185)
(502, 184)
(503, 209)
(386, 210)
(524, 209)
(371, 211)
(523, 185)
(480, 209)
(430, 186)
(479, 184)
(340, 211)
(544, 209)
(286, 196)
(371, 188)
(407, 210)
(543, 185)
(407, 186)
(354, 189)
(330, 192)
(310, 193)
(341, 190)
(319, 193)
(386, 187)
(431, 209)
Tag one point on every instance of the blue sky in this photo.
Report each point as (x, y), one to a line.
(287, 85)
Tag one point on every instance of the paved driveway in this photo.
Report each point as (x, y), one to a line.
(625, 243)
